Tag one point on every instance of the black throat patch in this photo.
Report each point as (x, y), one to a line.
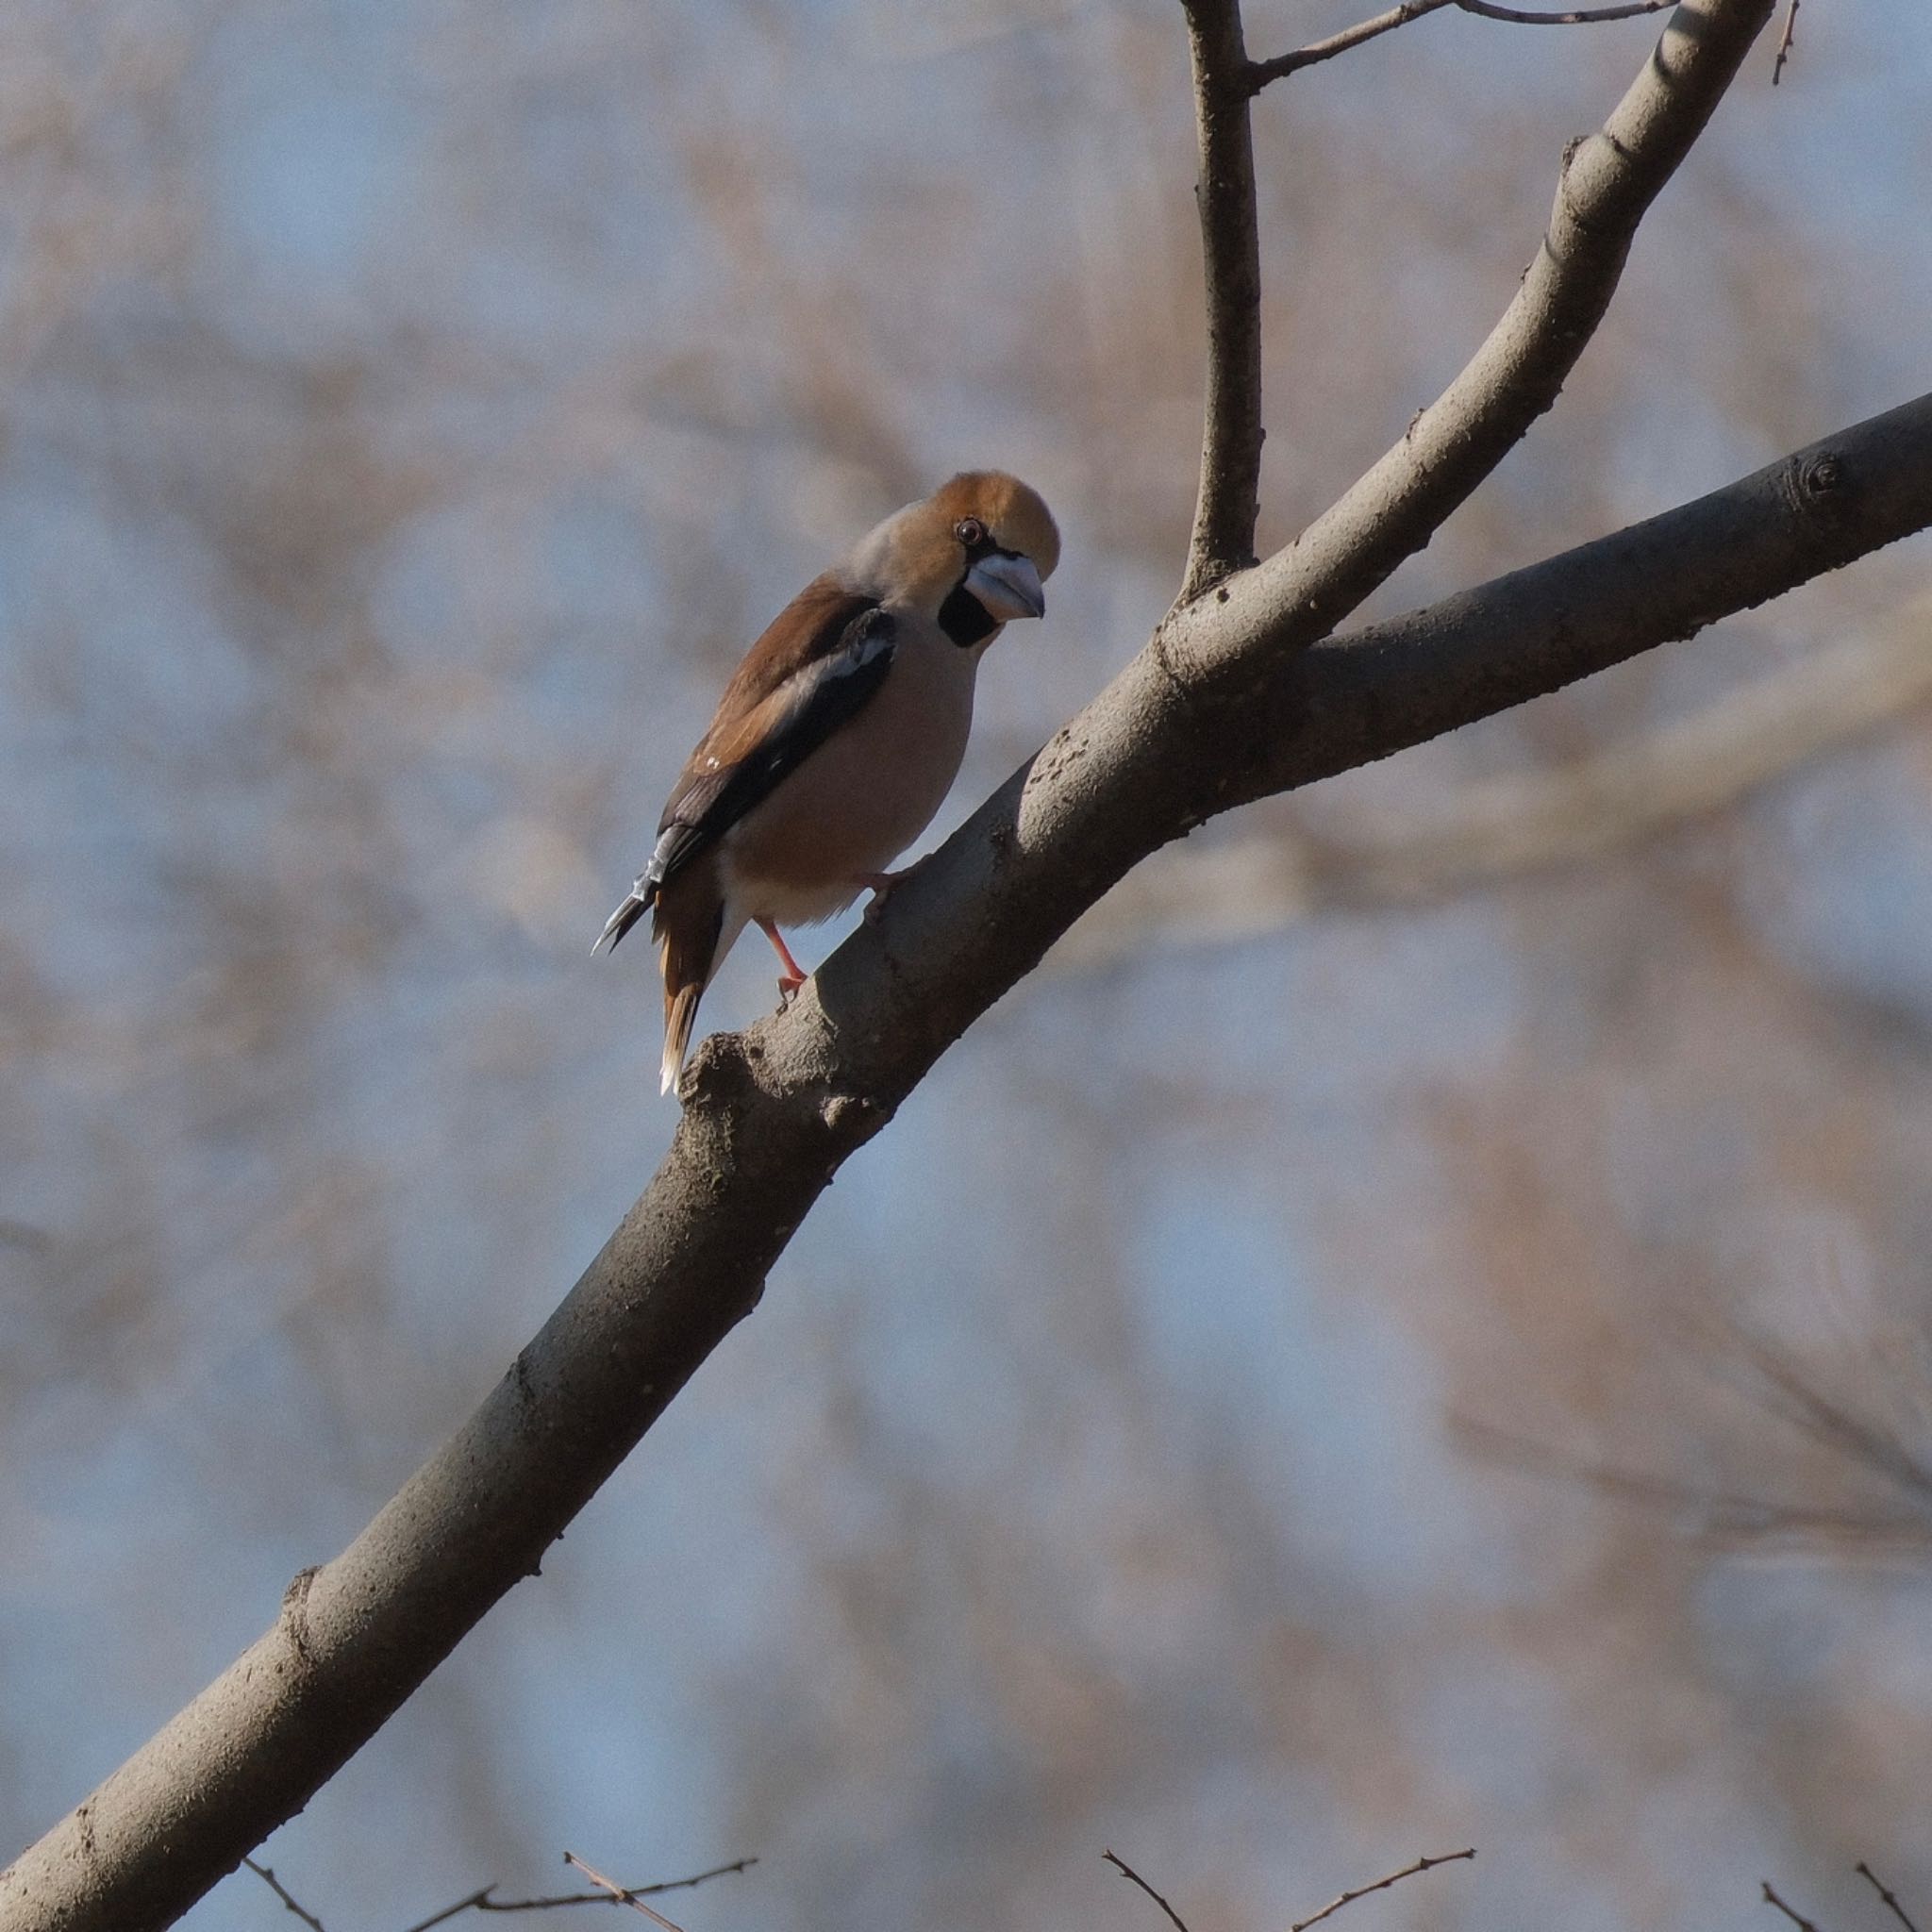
(965, 619)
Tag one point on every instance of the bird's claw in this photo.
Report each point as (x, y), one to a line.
(883, 884)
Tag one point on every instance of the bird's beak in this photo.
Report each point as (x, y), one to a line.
(1007, 586)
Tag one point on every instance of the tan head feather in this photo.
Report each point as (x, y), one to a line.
(916, 555)
(1014, 513)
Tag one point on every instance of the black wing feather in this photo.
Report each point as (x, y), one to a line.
(708, 807)
(704, 809)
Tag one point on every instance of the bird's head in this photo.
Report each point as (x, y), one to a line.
(973, 555)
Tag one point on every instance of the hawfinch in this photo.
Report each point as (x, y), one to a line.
(838, 737)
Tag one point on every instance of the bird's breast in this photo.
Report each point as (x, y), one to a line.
(856, 802)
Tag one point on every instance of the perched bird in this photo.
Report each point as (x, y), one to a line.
(838, 736)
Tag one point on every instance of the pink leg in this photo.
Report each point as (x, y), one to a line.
(794, 975)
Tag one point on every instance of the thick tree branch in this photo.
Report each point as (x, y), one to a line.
(1216, 711)
(1228, 503)
(1358, 698)
(1502, 827)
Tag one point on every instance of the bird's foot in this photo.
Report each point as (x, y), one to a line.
(792, 977)
(883, 884)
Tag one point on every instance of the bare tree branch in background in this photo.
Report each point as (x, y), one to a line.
(1721, 1519)
(1866, 1493)
(1227, 704)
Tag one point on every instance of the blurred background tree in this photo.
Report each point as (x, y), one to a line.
(407, 414)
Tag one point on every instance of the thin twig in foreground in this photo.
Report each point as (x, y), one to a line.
(1878, 1884)
(1785, 41)
(620, 1894)
(1381, 1884)
(282, 1893)
(1798, 1919)
(1127, 1870)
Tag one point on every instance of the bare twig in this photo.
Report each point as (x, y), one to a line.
(487, 1901)
(621, 1895)
(653, 1890)
(484, 1902)
(1786, 39)
(1798, 1919)
(1262, 72)
(1581, 16)
(598, 1898)
(1878, 1884)
(268, 1877)
(1228, 500)
(1127, 1870)
(1381, 1884)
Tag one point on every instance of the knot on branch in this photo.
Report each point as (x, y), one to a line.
(746, 1111)
(1820, 477)
(294, 1611)
(1819, 486)
(1585, 176)
(722, 1078)
(851, 1118)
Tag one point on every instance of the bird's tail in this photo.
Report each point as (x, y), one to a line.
(637, 902)
(688, 922)
(680, 1011)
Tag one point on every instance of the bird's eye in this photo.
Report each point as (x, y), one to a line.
(971, 532)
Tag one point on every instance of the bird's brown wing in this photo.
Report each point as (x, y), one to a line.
(815, 668)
